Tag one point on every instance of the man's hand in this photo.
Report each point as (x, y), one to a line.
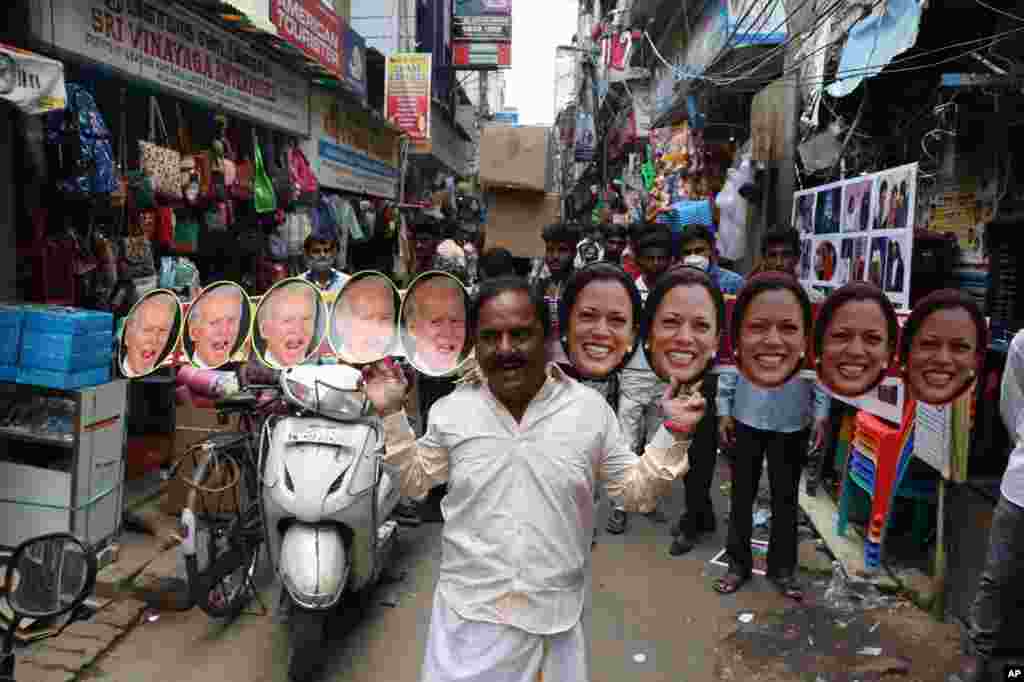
(686, 410)
(819, 432)
(726, 432)
(386, 386)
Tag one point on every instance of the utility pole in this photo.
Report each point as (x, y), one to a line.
(485, 105)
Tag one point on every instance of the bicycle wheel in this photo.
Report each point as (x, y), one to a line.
(228, 528)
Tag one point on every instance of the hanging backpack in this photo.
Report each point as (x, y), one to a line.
(80, 143)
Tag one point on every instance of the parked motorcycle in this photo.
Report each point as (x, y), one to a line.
(327, 498)
(46, 577)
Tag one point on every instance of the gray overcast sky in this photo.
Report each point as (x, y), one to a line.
(537, 27)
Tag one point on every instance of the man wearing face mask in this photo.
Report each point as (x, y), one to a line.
(698, 249)
(321, 252)
(753, 420)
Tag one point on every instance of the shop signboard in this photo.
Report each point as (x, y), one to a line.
(30, 82)
(482, 34)
(167, 46)
(350, 151)
(353, 67)
(859, 229)
(470, 55)
(313, 27)
(407, 94)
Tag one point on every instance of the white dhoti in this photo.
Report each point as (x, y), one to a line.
(460, 650)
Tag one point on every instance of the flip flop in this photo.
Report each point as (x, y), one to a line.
(730, 582)
(789, 588)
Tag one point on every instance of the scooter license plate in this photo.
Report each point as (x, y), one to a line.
(320, 436)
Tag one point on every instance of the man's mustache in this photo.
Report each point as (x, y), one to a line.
(512, 361)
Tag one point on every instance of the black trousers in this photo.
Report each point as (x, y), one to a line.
(994, 602)
(703, 455)
(786, 453)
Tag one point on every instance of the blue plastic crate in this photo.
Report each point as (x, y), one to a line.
(65, 380)
(11, 321)
(66, 352)
(8, 373)
(55, 319)
(11, 315)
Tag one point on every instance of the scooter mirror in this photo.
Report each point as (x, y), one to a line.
(330, 390)
(49, 575)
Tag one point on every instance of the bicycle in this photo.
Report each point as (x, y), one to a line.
(223, 532)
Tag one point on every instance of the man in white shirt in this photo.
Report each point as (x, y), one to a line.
(287, 322)
(522, 452)
(214, 326)
(1004, 564)
(146, 333)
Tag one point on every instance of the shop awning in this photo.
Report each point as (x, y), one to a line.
(32, 83)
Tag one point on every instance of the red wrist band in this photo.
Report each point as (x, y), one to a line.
(676, 427)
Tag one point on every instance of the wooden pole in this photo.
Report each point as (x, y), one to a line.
(938, 605)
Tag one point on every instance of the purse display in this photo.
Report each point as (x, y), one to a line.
(161, 163)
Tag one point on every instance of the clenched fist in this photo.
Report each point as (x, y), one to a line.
(386, 386)
(684, 410)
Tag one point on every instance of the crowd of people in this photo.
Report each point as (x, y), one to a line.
(591, 373)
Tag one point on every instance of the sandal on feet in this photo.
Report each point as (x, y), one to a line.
(789, 587)
(681, 545)
(730, 582)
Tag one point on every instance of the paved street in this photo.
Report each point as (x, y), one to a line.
(651, 618)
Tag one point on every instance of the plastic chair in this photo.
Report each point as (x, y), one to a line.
(877, 464)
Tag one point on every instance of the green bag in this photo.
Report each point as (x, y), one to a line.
(262, 188)
(141, 188)
(186, 235)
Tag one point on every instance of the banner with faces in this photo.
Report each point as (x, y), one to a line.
(859, 230)
(770, 332)
(296, 323)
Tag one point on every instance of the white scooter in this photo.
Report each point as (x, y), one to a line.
(327, 499)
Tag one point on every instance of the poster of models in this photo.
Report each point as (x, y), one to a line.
(860, 229)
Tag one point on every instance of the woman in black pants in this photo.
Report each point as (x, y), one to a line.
(768, 413)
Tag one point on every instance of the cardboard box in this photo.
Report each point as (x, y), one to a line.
(193, 425)
(516, 218)
(514, 157)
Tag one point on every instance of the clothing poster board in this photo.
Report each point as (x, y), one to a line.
(859, 229)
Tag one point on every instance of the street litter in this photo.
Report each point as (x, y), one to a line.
(870, 651)
(745, 617)
(842, 596)
(639, 658)
(762, 517)
(873, 627)
(810, 640)
(151, 615)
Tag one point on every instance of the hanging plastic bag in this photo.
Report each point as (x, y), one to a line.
(263, 189)
(732, 230)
